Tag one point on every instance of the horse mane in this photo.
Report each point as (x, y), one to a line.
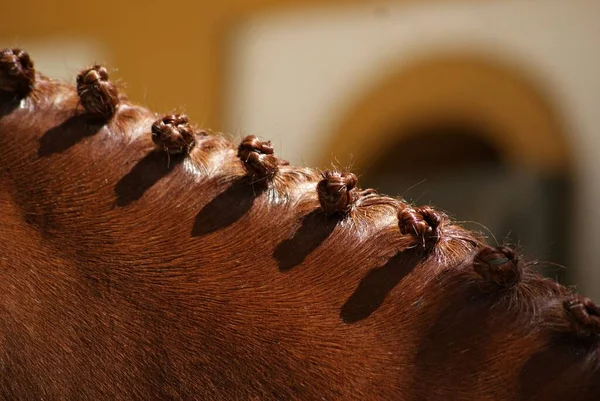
(147, 258)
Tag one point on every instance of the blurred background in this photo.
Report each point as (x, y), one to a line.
(488, 109)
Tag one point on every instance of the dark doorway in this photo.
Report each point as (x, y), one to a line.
(452, 166)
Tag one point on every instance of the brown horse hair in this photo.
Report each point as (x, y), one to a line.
(338, 193)
(258, 158)
(17, 74)
(173, 134)
(389, 235)
(98, 95)
(498, 265)
(422, 223)
(585, 316)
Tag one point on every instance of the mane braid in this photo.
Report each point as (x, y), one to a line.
(338, 193)
(17, 74)
(173, 134)
(98, 95)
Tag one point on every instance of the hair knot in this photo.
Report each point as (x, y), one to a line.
(98, 95)
(584, 314)
(258, 157)
(337, 192)
(173, 133)
(423, 223)
(17, 74)
(498, 265)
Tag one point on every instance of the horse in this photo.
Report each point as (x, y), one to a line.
(145, 258)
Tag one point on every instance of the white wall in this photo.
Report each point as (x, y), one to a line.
(293, 75)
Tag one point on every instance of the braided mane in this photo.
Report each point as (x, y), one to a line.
(146, 258)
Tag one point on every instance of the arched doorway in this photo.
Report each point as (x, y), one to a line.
(451, 165)
(473, 137)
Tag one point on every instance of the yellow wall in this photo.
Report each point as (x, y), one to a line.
(170, 54)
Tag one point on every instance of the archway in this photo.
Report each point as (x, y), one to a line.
(471, 136)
